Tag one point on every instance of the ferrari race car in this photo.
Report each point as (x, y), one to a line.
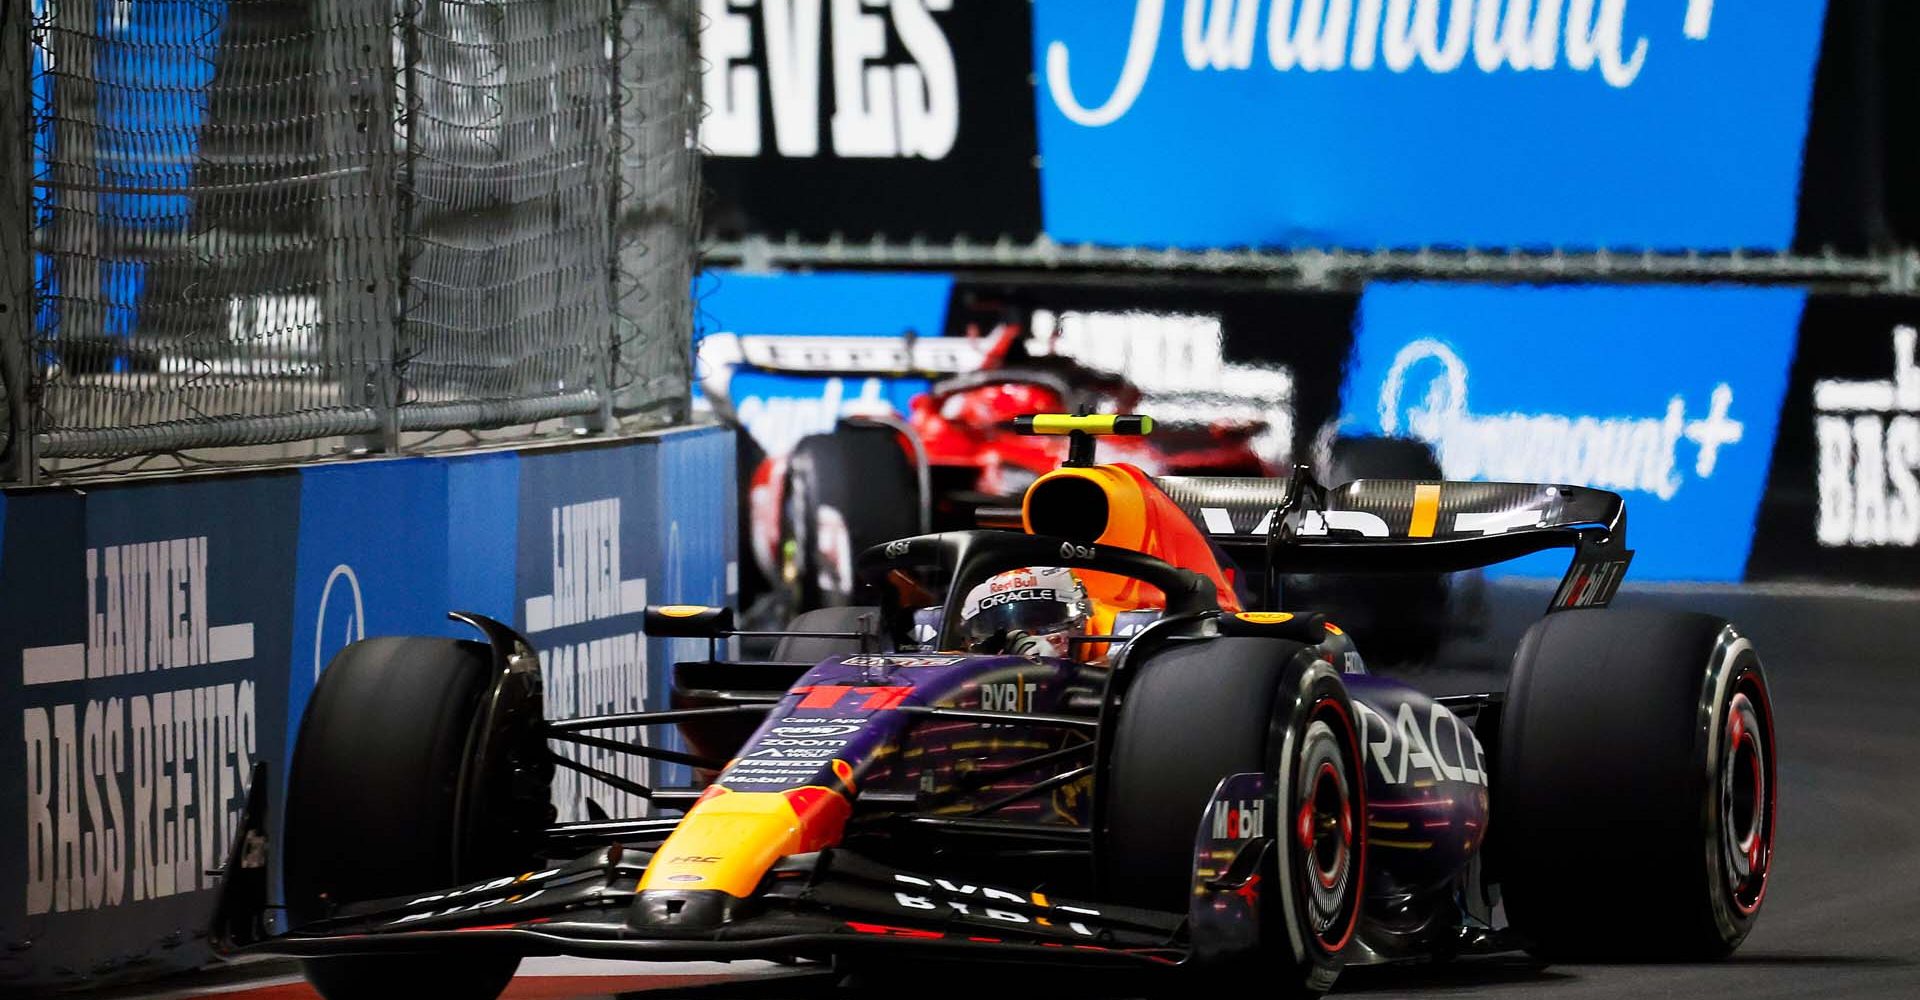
(1185, 787)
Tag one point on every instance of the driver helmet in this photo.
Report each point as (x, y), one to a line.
(1028, 612)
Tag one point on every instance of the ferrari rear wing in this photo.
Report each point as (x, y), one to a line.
(1413, 526)
(843, 355)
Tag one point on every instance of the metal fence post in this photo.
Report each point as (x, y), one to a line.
(16, 243)
(361, 308)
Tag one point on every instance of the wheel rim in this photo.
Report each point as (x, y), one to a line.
(1746, 796)
(1330, 850)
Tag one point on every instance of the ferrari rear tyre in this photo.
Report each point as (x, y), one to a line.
(846, 491)
(1634, 790)
(1196, 712)
(370, 807)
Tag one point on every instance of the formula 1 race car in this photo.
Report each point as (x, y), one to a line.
(1183, 787)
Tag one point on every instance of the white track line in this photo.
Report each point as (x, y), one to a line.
(560, 965)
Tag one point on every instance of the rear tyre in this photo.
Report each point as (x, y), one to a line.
(1199, 711)
(1634, 789)
(846, 491)
(747, 458)
(370, 806)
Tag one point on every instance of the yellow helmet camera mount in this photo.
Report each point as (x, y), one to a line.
(1082, 428)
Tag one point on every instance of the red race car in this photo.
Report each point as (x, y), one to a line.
(879, 474)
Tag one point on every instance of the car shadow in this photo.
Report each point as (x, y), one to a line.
(1465, 973)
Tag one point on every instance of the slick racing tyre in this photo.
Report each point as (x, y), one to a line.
(846, 492)
(1196, 712)
(747, 458)
(370, 807)
(1634, 789)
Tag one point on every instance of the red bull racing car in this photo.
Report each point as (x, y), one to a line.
(1078, 743)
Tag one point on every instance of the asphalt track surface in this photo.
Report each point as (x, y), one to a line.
(1842, 917)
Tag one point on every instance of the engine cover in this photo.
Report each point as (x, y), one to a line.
(1426, 786)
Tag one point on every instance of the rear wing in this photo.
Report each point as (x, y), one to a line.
(1404, 525)
(843, 355)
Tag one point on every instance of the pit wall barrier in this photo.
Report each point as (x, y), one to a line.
(1756, 433)
(157, 637)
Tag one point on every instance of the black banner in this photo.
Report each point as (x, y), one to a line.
(1855, 195)
(911, 118)
(1843, 494)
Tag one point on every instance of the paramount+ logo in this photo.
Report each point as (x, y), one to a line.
(1361, 36)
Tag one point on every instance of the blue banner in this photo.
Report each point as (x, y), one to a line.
(158, 638)
(143, 638)
(1659, 124)
(373, 561)
(588, 561)
(846, 302)
(1668, 396)
(483, 509)
(780, 409)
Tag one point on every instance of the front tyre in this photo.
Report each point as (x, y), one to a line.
(1634, 788)
(1197, 712)
(371, 803)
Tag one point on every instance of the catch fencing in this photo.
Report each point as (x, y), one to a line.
(238, 223)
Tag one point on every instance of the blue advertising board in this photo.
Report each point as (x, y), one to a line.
(778, 409)
(483, 508)
(143, 636)
(1659, 124)
(834, 303)
(157, 638)
(1669, 396)
(372, 561)
(587, 557)
(389, 547)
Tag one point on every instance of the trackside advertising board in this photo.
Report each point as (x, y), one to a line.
(144, 636)
(1363, 123)
(157, 638)
(1358, 124)
(1669, 396)
(911, 117)
(1843, 497)
(1199, 346)
(778, 409)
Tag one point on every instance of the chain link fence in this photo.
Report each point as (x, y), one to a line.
(255, 222)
